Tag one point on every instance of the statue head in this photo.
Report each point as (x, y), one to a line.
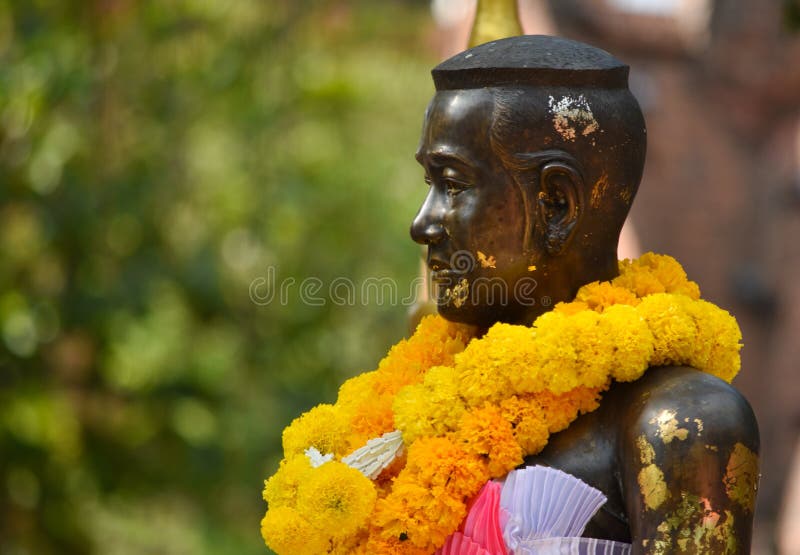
(533, 148)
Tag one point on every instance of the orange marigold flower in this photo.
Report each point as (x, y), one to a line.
(485, 433)
(355, 544)
(528, 422)
(428, 500)
(561, 410)
(378, 545)
(372, 418)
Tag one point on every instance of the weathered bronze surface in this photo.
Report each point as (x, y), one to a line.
(533, 148)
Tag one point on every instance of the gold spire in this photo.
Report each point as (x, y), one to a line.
(494, 19)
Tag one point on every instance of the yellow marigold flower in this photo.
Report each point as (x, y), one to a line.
(485, 433)
(321, 427)
(600, 295)
(355, 391)
(527, 418)
(670, 273)
(655, 273)
(286, 532)
(718, 341)
(336, 499)
(595, 350)
(432, 408)
(567, 354)
(569, 309)
(674, 330)
(641, 283)
(487, 366)
(631, 341)
(281, 489)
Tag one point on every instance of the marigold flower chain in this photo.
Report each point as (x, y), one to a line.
(470, 409)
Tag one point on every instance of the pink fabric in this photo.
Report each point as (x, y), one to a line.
(481, 532)
(458, 544)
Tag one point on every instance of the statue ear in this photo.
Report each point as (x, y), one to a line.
(559, 204)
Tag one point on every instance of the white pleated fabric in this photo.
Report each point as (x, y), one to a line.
(572, 546)
(376, 455)
(547, 512)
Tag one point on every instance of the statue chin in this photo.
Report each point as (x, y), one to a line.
(486, 315)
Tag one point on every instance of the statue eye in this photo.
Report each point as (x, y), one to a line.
(454, 186)
(453, 181)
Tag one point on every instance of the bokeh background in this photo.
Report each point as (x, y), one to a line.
(159, 158)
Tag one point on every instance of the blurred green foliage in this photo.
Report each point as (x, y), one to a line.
(155, 158)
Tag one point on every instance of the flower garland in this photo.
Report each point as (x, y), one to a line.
(470, 409)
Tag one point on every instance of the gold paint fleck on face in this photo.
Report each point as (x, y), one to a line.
(458, 294)
(668, 426)
(652, 486)
(741, 477)
(599, 191)
(487, 261)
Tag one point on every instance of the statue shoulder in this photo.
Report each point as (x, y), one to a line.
(688, 454)
(703, 406)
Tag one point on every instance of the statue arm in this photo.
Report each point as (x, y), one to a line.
(688, 464)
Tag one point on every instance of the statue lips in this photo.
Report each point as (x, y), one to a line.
(444, 277)
(437, 265)
(440, 270)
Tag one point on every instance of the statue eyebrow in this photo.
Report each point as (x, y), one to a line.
(445, 157)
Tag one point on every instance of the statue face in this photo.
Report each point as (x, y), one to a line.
(473, 219)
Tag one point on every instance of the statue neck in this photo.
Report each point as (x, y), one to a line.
(562, 277)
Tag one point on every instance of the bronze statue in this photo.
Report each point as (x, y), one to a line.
(533, 148)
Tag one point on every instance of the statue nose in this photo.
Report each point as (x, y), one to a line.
(427, 233)
(428, 226)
